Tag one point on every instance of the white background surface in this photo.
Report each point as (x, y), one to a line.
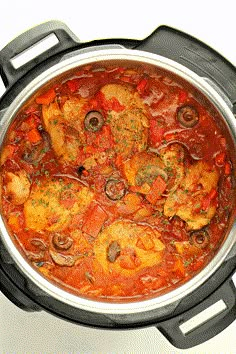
(210, 21)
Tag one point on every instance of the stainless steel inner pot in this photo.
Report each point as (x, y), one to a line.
(209, 93)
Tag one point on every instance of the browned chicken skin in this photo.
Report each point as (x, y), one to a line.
(186, 202)
(129, 126)
(139, 247)
(53, 203)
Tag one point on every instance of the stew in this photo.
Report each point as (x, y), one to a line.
(116, 184)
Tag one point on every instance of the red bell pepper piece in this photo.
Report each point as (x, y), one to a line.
(157, 188)
(182, 96)
(33, 136)
(227, 168)
(141, 86)
(94, 220)
(220, 159)
(207, 200)
(47, 97)
(108, 105)
(156, 132)
(104, 139)
(74, 85)
(115, 105)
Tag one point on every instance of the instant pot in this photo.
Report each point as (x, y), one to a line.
(211, 75)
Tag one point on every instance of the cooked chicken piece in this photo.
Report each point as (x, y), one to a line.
(142, 168)
(65, 128)
(74, 113)
(192, 201)
(173, 158)
(53, 203)
(128, 125)
(17, 187)
(125, 248)
(123, 93)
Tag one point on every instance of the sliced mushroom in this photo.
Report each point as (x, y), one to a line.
(62, 242)
(187, 116)
(200, 238)
(115, 189)
(37, 256)
(39, 244)
(89, 277)
(67, 260)
(113, 251)
(93, 121)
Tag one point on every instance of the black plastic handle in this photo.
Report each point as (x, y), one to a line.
(15, 295)
(171, 328)
(195, 55)
(66, 40)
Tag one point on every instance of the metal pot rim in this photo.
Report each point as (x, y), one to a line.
(80, 59)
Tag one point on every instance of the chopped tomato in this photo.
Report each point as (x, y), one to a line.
(94, 220)
(104, 139)
(74, 84)
(32, 109)
(142, 85)
(119, 161)
(169, 136)
(207, 200)
(31, 122)
(227, 168)
(143, 189)
(126, 78)
(47, 97)
(33, 136)
(89, 149)
(156, 132)
(157, 188)
(67, 199)
(179, 267)
(182, 96)
(220, 159)
(108, 105)
(128, 259)
(196, 264)
(85, 173)
(114, 105)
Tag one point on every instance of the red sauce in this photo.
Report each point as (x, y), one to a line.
(116, 184)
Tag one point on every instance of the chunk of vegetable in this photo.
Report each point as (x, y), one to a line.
(94, 220)
(156, 191)
(47, 97)
(33, 136)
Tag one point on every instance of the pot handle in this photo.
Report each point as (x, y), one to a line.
(55, 33)
(183, 331)
(15, 295)
(194, 55)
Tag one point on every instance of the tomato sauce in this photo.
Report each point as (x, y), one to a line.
(116, 184)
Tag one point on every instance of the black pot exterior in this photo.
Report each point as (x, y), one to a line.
(28, 296)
